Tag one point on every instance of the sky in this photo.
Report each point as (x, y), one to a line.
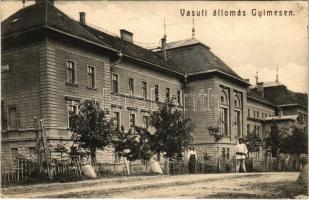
(248, 44)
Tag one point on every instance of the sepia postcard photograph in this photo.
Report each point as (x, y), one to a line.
(154, 99)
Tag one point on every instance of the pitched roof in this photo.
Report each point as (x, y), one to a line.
(131, 49)
(182, 43)
(254, 95)
(280, 95)
(192, 56)
(25, 19)
(269, 84)
(45, 14)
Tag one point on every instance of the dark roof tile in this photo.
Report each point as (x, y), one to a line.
(45, 15)
(280, 95)
(131, 49)
(253, 94)
(191, 56)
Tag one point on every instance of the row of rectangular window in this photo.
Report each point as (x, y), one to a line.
(73, 109)
(132, 123)
(72, 74)
(256, 129)
(115, 89)
(256, 114)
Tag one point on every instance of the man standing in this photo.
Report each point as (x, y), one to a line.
(241, 154)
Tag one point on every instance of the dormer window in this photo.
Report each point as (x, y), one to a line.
(15, 20)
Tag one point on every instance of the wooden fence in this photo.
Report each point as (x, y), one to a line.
(25, 171)
(211, 166)
(275, 164)
(29, 171)
(229, 166)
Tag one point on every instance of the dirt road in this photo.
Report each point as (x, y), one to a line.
(249, 185)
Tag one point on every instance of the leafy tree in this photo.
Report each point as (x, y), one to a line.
(215, 132)
(253, 142)
(275, 140)
(295, 143)
(172, 134)
(90, 127)
(133, 145)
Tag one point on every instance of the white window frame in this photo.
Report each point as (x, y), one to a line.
(147, 125)
(8, 117)
(180, 97)
(155, 92)
(74, 72)
(238, 127)
(227, 120)
(169, 93)
(118, 88)
(94, 76)
(69, 104)
(119, 115)
(129, 92)
(226, 105)
(145, 97)
(132, 128)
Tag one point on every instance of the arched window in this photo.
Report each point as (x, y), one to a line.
(237, 113)
(224, 100)
(237, 101)
(224, 110)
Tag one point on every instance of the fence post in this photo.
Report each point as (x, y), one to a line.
(167, 165)
(17, 169)
(127, 166)
(22, 169)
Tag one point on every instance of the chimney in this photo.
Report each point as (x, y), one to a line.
(126, 35)
(163, 48)
(82, 17)
(260, 88)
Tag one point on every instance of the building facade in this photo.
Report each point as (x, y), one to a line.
(52, 63)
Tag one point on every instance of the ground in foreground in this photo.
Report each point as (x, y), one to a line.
(249, 185)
